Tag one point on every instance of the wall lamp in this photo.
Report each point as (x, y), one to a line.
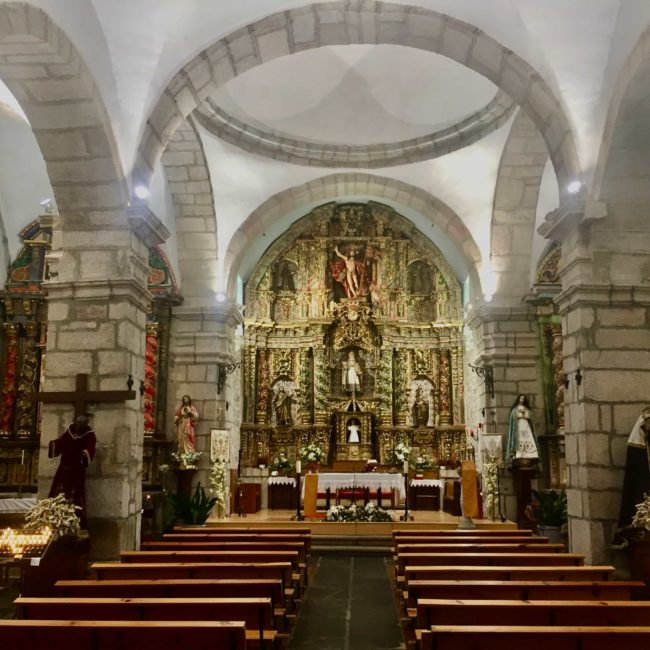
(487, 374)
(223, 370)
(577, 375)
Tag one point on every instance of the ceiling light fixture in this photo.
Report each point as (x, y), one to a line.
(141, 192)
(574, 187)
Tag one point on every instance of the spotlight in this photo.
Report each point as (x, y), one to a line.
(141, 192)
(574, 187)
(221, 296)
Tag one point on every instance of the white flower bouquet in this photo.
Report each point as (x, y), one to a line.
(400, 453)
(312, 454)
(57, 513)
(353, 512)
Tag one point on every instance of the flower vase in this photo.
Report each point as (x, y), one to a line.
(313, 467)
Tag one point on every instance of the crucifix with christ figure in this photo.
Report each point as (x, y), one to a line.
(81, 396)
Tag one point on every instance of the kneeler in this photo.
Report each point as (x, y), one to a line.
(470, 490)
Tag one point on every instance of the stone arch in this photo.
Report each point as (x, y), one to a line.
(515, 204)
(357, 22)
(47, 75)
(328, 188)
(188, 177)
(621, 174)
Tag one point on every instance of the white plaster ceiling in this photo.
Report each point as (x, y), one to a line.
(356, 94)
(134, 47)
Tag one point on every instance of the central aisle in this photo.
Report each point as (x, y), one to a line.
(349, 606)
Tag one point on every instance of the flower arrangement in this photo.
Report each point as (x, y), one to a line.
(281, 463)
(188, 459)
(400, 453)
(424, 463)
(218, 483)
(57, 514)
(312, 454)
(642, 515)
(491, 488)
(353, 512)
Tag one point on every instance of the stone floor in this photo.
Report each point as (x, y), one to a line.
(350, 605)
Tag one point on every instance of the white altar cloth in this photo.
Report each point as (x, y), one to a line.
(282, 480)
(372, 480)
(17, 505)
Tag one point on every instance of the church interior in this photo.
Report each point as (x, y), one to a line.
(305, 256)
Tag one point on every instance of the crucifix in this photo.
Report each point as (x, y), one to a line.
(81, 396)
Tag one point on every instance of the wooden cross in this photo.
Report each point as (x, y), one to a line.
(81, 396)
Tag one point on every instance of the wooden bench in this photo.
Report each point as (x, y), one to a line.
(190, 571)
(477, 637)
(238, 537)
(455, 532)
(122, 635)
(237, 530)
(191, 545)
(510, 539)
(199, 588)
(479, 548)
(257, 613)
(538, 612)
(488, 559)
(574, 573)
(522, 590)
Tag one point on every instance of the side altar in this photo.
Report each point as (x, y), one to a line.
(353, 342)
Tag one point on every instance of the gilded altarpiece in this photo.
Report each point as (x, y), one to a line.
(353, 341)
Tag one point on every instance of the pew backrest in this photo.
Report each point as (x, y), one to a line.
(123, 635)
(462, 572)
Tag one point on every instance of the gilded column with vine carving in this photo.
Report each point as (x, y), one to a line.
(557, 364)
(262, 387)
(27, 383)
(444, 372)
(150, 378)
(305, 384)
(400, 383)
(249, 384)
(321, 386)
(9, 382)
(384, 387)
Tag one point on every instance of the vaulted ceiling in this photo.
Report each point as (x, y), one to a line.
(339, 100)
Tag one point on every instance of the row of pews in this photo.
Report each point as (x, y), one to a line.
(229, 588)
(507, 590)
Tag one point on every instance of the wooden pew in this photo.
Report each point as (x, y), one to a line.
(522, 590)
(510, 539)
(190, 571)
(257, 613)
(238, 530)
(122, 635)
(477, 637)
(538, 612)
(238, 537)
(488, 559)
(479, 548)
(454, 532)
(218, 588)
(191, 545)
(574, 573)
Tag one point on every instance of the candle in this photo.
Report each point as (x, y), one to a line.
(22, 457)
(406, 467)
(298, 466)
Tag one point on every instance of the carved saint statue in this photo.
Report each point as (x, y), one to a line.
(351, 374)
(185, 420)
(282, 406)
(420, 409)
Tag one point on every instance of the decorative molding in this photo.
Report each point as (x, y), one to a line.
(147, 226)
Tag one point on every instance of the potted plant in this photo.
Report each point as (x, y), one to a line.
(549, 512)
(281, 464)
(193, 511)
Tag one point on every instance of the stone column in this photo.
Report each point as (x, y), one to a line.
(97, 305)
(201, 338)
(605, 309)
(508, 344)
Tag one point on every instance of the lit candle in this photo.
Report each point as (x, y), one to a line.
(298, 466)
(406, 467)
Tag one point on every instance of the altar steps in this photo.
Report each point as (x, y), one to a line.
(352, 545)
